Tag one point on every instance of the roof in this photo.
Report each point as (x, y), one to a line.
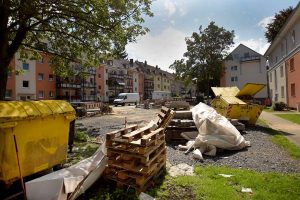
(285, 28)
(244, 46)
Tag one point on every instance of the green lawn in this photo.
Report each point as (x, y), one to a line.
(207, 184)
(281, 140)
(268, 109)
(291, 117)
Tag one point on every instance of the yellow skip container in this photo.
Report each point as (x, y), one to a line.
(238, 104)
(41, 129)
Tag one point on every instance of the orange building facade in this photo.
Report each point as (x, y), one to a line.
(45, 79)
(293, 80)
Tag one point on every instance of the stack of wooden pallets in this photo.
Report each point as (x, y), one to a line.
(137, 155)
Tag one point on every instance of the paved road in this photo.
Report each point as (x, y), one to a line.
(290, 129)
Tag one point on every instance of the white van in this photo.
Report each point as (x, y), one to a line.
(127, 98)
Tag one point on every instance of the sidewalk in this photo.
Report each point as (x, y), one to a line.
(290, 129)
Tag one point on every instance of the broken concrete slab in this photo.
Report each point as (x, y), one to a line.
(181, 169)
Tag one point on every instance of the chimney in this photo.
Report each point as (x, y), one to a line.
(156, 66)
(131, 62)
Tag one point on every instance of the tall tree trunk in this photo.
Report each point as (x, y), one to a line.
(3, 78)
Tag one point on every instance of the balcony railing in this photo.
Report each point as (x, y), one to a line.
(68, 85)
(248, 58)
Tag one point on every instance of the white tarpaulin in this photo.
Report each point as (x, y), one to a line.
(215, 131)
(76, 178)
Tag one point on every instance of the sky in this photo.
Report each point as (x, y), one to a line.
(174, 20)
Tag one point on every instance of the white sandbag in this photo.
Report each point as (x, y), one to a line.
(216, 130)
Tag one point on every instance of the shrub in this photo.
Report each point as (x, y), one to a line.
(279, 106)
(80, 136)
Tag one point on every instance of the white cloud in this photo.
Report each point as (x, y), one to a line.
(170, 7)
(172, 22)
(161, 49)
(259, 45)
(264, 22)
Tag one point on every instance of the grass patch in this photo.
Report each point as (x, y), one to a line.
(279, 139)
(208, 185)
(295, 118)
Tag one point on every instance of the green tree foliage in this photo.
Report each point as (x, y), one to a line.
(80, 31)
(279, 20)
(203, 59)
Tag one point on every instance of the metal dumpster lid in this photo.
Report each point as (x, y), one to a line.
(225, 91)
(233, 100)
(250, 89)
(18, 110)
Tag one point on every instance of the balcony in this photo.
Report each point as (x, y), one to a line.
(249, 58)
(68, 85)
(88, 85)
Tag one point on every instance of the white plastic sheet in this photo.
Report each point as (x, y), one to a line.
(215, 131)
(59, 184)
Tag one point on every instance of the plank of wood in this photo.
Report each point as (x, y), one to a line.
(152, 136)
(137, 133)
(113, 134)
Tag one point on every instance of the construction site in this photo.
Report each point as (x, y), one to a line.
(49, 153)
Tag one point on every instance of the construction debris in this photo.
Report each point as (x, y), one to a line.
(238, 104)
(137, 156)
(181, 169)
(214, 131)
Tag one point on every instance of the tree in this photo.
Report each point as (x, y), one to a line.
(69, 31)
(203, 59)
(279, 20)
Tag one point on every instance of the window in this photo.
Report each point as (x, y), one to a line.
(99, 87)
(246, 55)
(292, 67)
(276, 58)
(281, 71)
(25, 66)
(110, 62)
(270, 76)
(8, 93)
(42, 61)
(51, 77)
(293, 37)
(157, 78)
(293, 89)
(40, 77)
(232, 79)
(92, 92)
(41, 94)
(51, 94)
(135, 80)
(158, 85)
(135, 89)
(282, 91)
(106, 82)
(233, 68)
(106, 70)
(236, 78)
(91, 80)
(99, 75)
(26, 84)
(165, 87)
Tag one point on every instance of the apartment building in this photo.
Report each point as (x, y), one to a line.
(244, 65)
(284, 62)
(30, 80)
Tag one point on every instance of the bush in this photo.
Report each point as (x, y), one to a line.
(279, 106)
(80, 136)
(105, 108)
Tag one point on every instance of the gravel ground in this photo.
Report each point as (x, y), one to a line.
(263, 155)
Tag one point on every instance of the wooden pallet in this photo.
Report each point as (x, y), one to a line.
(128, 178)
(136, 155)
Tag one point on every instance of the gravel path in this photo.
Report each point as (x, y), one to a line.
(263, 155)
